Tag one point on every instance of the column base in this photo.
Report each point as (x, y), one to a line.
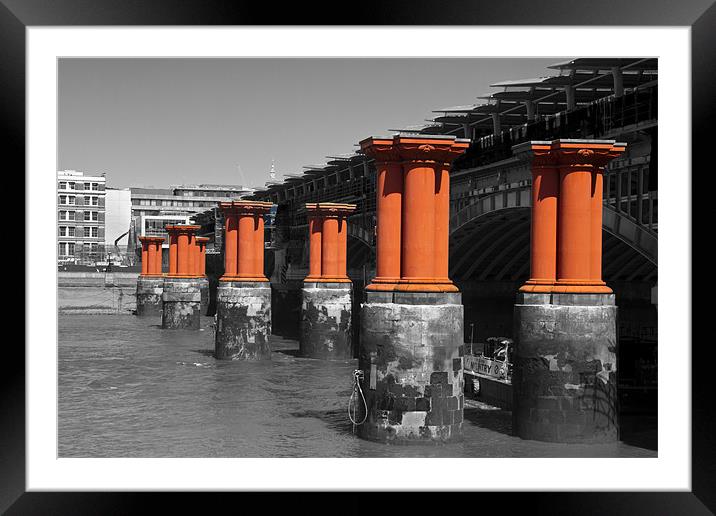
(412, 285)
(181, 303)
(149, 296)
(411, 349)
(565, 368)
(326, 320)
(243, 321)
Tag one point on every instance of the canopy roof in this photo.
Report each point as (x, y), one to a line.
(589, 80)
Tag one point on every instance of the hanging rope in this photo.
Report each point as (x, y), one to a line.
(357, 378)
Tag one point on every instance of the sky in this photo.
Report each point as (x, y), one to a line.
(158, 122)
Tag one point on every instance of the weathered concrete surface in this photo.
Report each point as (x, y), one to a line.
(96, 292)
(181, 302)
(326, 321)
(149, 296)
(411, 351)
(565, 368)
(243, 321)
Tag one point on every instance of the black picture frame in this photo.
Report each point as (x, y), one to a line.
(16, 15)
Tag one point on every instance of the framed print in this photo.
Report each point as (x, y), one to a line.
(422, 257)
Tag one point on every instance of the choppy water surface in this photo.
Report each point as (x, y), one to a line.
(127, 388)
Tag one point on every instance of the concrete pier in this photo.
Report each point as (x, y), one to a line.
(327, 301)
(411, 354)
(243, 307)
(326, 313)
(150, 281)
(181, 303)
(565, 367)
(411, 333)
(149, 296)
(243, 321)
(565, 359)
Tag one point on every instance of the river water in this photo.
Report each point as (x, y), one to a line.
(127, 388)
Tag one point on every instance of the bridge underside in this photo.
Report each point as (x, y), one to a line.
(490, 260)
(496, 247)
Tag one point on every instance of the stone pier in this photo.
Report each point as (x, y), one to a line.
(182, 295)
(565, 361)
(150, 282)
(327, 291)
(243, 312)
(411, 341)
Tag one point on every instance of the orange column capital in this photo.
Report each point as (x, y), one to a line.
(244, 244)
(201, 261)
(328, 228)
(180, 263)
(151, 255)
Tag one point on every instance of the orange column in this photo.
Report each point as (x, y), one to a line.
(573, 227)
(258, 245)
(315, 228)
(151, 258)
(191, 255)
(173, 251)
(145, 256)
(418, 231)
(158, 260)
(595, 230)
(231, 240)
(342, 246)
(389, 200)
(247, 241)
(543, 228)
(329, 246)
(201, 256)
(442, 222)
(183, 254)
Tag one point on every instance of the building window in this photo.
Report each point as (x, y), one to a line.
(63, 248)
(63, 215)
(87, 200)
(63, 199)
(63, 230)
(87, 231)
(71, 248)
(71, 231)
(63, 185)
(70, 199)
(87, 186)
(71, 185)
(95, 233)
(73, 215)
(95, 215)
(87, 215)
(95, 186)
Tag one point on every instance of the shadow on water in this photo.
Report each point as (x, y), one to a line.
(291, 352)
(497, 420)
(205, 352)
(639, 430)
(334, 419)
